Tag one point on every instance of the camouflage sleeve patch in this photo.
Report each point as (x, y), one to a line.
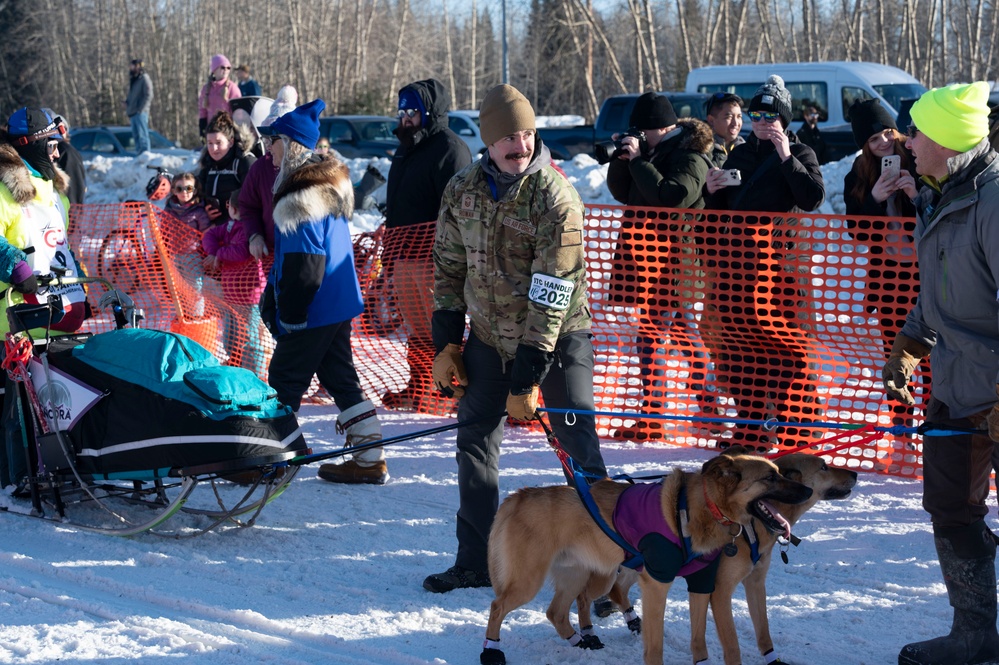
(570, 238)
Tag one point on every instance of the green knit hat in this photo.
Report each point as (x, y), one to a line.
(955, 116)
(504, 111)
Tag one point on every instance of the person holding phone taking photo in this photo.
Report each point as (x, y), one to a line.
(868, 189)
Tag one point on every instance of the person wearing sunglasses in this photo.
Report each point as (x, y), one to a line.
(428, 155)
(777, 173)
(953, 322)
(137, 104)
(217, 92)
(186, 202)
(809, 133)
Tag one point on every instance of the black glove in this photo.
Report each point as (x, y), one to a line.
(29, 285)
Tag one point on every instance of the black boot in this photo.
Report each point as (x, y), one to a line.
(967, 560)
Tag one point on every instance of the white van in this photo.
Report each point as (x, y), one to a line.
(833, 86)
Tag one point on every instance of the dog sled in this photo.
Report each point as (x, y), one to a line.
(117, 430)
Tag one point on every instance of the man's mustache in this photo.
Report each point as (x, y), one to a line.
(517, 155)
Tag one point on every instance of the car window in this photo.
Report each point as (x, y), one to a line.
(103, 143)
(894, 93)
(377, 130)
(459, 125)
(82, 140)
(126, 139)
(852, 94)
(339, 131)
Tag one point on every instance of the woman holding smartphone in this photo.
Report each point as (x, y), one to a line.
(871, 187)
(882, 184)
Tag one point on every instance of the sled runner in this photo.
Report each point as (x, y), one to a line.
(117, 430)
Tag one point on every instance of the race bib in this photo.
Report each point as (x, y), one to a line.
(551, 292)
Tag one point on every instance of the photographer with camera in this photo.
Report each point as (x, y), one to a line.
(660, 162)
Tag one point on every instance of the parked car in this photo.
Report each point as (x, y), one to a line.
(355, 136)
(567, 142)
(466, 125)
(118, 142)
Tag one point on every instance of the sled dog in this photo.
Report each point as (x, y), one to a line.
(546, 531)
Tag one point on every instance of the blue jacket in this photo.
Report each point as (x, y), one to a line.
(313, 282)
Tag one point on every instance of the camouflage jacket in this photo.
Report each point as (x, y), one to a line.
(517, 265)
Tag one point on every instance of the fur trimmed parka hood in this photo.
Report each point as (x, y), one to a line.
(16, 176)
(319, 188)
(697, 137)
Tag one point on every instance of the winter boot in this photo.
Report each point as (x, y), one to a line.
(967, 561)
(360, 423)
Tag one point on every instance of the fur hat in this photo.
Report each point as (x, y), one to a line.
(219, 60)
(302, 124)
(652, 111)
(504, 111)
(286, 100)
(868, 117)
(955, 116)
(773, 96)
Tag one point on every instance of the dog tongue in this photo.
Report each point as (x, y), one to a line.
(780, 519)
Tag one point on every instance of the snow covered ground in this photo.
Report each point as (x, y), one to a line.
(332, 574)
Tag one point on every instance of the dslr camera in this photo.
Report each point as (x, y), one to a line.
(605, 151)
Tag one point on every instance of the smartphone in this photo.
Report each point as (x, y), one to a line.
(732, 178)
(213, 202)
(891, 165)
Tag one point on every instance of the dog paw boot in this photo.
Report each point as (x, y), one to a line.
(603, 607)
(967, 561)
(491, 655)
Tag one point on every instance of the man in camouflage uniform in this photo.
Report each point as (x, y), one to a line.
(509, 253)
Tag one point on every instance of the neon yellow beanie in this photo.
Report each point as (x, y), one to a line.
(955, 116)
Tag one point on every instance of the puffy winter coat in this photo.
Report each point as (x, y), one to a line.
(673, 174)
(957, 245)
(418, 175)
(242, 275)
(313, 282)
(794, 185)
(221, 178)
(256, 200)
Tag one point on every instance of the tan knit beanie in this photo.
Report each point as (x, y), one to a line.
(504, 111)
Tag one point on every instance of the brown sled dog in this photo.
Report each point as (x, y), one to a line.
(547, 530)
(827, 484)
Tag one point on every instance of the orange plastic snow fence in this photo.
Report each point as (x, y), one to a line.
(721, 324)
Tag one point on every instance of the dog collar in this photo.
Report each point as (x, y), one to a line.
(715, 511)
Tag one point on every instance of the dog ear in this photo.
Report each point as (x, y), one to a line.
(793, 474)
(721, 467)
(736, 450)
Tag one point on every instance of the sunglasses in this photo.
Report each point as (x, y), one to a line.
(271, 139)
(769, 116)
(911, 132)
(183, 188)
(408, 113)
(224, 67)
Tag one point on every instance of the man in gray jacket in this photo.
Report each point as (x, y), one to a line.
(140, 98)
(955, 321)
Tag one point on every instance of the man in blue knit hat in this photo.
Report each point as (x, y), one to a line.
(312, 291)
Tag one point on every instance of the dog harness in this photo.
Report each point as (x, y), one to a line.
(639, 513)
